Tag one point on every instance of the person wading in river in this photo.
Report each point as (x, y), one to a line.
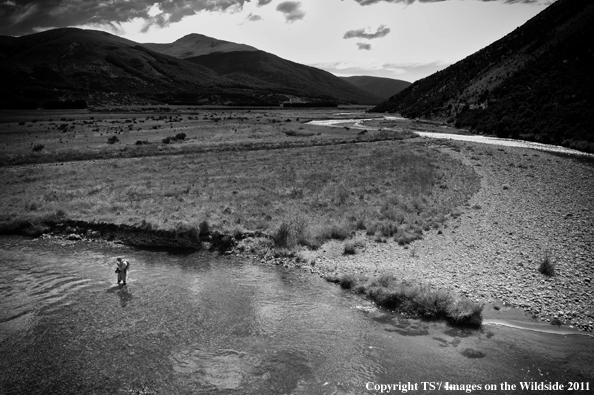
(122, 269)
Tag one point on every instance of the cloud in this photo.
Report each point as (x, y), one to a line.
(382, 31)
(370, 2)
(263, 2)
(18, 17)
(292, 10)
(253, 18)
(364, 46)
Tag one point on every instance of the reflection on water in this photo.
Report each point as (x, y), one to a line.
(201, 323)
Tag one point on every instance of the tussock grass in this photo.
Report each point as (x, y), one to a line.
(547, 266)
(417, 299)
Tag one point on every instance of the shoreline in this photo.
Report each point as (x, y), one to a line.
(529, 203)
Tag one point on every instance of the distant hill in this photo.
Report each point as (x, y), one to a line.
(279, 75)
(536, 83)
(68, 64)
(65, 65)
(380, 87)
(197, 45)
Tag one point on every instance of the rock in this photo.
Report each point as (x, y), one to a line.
(74, 237)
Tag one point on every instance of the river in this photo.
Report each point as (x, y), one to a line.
(201, 323)
(358, 123)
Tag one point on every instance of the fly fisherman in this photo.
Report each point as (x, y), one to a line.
(122, 269)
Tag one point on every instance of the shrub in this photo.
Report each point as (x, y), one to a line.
(292, 231)
(466, 312)
(38, 147)
(419, 299)
(183, 229)
(281, 235)
(113, 140)
(180, 136)
(204, 228)
(350, 247)
(334, 231)
(347, 281)
(547, 267)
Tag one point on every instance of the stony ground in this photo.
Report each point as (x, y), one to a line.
(530, 204)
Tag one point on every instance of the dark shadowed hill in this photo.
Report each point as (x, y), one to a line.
(197, 45)
(536, 83)
(67, 65)
(378, 86)
(283, 76)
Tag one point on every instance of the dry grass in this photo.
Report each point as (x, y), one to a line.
(300, 195)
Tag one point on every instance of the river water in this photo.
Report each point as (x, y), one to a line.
(200, 323)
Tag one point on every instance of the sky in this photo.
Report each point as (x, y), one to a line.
(401, 39)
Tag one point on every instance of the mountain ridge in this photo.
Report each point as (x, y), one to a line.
(280, 75)
(195, 44)
(103, 69)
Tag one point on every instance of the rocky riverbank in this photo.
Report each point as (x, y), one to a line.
(531, 204)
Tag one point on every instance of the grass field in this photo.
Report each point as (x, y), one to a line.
(234, 171)
(303, 194)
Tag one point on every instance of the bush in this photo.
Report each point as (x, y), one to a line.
(547, 267)
(38, 147)
(465, 312)
(180, 136)
(350, 247)
(282, 235)
(204, 228)
(418, 299)
(113, 140)
(334, 231)
(347, 281)
(292, 231)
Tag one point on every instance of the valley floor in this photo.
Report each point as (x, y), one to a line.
(239, 169)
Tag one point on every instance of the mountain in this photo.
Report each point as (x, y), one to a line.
(67, 65)
(197, 45)
(536, 83)
(381, 87)
(282, 76)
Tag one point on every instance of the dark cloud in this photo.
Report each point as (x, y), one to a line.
(382, 31)
(292, 10)
(263, 2)
(364, 46)
(19, 17)
(369, 2)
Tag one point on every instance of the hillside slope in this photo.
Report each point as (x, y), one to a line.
(536, 83)
(381, 87)
(283, 76)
